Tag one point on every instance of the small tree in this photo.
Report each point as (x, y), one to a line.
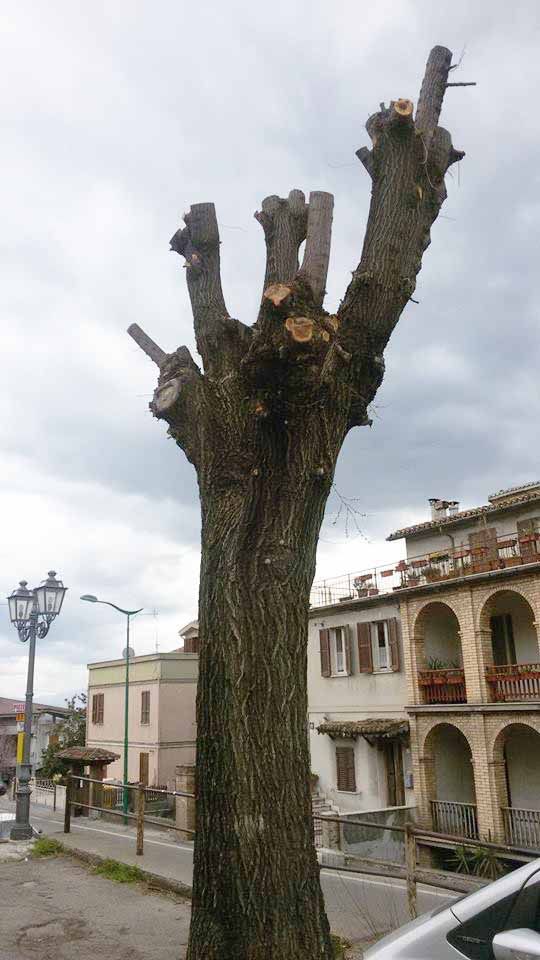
(8, 753)
(70, 731)
(263, 425)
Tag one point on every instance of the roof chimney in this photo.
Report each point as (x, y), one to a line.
(453, 508)
(438, 508)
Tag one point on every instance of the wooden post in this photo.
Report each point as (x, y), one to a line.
(67, 811)
(410, 867)
(140, 819)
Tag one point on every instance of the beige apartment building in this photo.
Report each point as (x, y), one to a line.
(161, 724)
(468, 592)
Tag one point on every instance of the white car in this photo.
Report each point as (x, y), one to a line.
(499, 922)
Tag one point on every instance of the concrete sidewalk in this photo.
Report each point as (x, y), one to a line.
(55, 908)
(359, 906)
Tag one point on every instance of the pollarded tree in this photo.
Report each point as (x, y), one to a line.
(263, 426)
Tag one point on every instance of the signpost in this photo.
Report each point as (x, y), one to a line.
(19, 707)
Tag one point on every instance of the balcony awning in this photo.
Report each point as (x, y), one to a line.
(373, 730)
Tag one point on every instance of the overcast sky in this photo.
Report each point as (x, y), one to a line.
(118, 115)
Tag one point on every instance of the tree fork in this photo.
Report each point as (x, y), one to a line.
(263, 424)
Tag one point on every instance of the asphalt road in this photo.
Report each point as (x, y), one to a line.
(360, 907)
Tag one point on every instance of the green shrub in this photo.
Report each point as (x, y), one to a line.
(120, 872)
(47, 847)
(478, 862)
(339, 945)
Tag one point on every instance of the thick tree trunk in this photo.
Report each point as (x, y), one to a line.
(263, 426)
(256, 887)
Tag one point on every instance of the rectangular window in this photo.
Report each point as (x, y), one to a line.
(345, 769)
(98, 703)
(340, 652)
(382, 656)
(145, 706)
(192, 645)
(502, 638)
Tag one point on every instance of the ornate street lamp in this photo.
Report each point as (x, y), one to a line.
(31, 612)
(127, 653)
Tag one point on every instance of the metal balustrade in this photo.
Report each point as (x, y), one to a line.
(522, 827)
(454, 818)
(442, 686)
(514, 681)
(508, 550)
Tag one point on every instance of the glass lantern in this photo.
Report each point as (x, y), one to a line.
(21, 603)
(49, 596)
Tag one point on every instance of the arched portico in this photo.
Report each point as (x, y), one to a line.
(516, 763)
(510, 647)
(440, 674)
(449, 781)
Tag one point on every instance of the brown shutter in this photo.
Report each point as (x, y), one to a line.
(346, 777)
(101, 707)
(365, 652)
(94, 709)
(347, 645)
(393, 638)
(483, 544)
(143, 768)
(324, 638)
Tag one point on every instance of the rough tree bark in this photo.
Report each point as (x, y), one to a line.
(263, 425)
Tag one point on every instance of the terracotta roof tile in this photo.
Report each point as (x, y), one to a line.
(487, 509)
(87, 754)
(380, 728)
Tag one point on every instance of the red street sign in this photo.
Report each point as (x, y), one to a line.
(20, 707)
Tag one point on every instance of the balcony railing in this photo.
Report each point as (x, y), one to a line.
(509, 550)
(514, 681)
(456, 819)
(442, 686)
(522, 827)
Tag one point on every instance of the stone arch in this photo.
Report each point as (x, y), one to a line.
(483, 613)
(515, 759)
(418, 621)
(449, 780)
(429, 734)
(437, 646)
(517, 638)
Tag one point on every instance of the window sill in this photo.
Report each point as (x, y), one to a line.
(336, 676)
(381, 671)
(350, 793)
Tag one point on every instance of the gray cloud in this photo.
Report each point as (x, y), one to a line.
(119, 117)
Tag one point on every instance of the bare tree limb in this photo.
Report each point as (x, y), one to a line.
(146, 343)
(285, 224)
(407, 163)
(432, 92)
(198, 242)
(314, 267)
(366, 157)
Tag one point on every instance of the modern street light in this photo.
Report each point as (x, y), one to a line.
(31, 612)
(126, 654)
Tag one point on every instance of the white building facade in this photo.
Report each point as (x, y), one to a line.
(358, 726)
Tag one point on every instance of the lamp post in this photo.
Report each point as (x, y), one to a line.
(128, 613)
(31, 612)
